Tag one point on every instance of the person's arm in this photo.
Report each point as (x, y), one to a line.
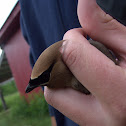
(105, 80)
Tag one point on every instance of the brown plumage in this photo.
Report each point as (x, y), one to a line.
(50, 70)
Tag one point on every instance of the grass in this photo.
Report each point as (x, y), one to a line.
(21, 113)
(8, 88)
(7, 120)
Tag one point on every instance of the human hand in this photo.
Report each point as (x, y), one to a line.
(105, 80)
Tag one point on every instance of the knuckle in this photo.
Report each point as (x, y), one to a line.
(69, 34)
(71, 58)
(71, 55)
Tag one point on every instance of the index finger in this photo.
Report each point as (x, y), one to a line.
(105, 80)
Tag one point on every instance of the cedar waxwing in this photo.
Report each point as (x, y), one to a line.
(50, 70)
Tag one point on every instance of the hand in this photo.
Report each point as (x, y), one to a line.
(105, 80)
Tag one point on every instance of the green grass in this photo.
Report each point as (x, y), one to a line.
(8, 88)
(22, 113)
(7, 120)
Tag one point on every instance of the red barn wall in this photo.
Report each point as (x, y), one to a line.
(17, 53)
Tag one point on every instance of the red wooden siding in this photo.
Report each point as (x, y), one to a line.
(17, 53)
(17, 50)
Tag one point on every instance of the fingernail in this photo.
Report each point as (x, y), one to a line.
(63, 47)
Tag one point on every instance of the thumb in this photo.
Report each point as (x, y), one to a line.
(102, 27)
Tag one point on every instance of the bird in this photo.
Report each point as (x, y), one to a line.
(51, 71)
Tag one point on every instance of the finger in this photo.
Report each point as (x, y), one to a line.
(78, 107)
(104, 79)
(102, 27)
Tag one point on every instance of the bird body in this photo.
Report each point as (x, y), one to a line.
(50, 70)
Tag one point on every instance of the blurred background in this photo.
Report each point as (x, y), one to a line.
(16, 107)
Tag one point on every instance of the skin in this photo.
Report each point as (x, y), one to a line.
(105, 80)
(50, 70)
